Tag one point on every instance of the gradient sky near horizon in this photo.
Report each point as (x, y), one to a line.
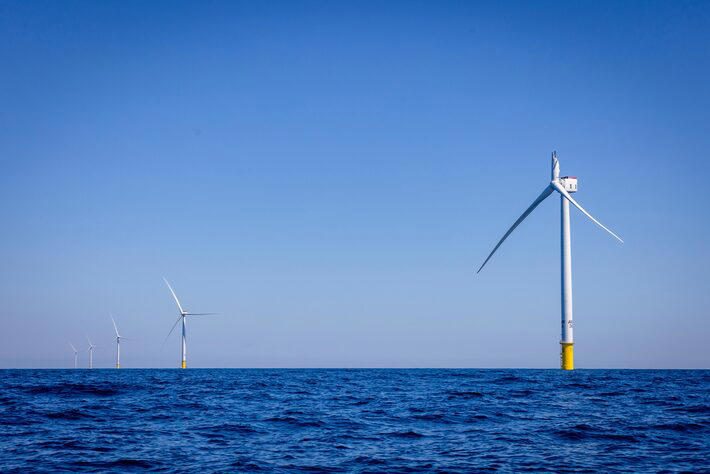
(329, 175)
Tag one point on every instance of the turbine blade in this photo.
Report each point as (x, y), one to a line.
(114, 325)
(174, 295)
(173, 328)
(199, 314)
(567, 196)
(72, 346)
(546, 192)
(555, 172)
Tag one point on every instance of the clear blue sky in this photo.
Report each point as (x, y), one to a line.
(329, 175)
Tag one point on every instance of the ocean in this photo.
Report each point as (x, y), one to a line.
(362, 420)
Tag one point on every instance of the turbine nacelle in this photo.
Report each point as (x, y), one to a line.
(568, 183)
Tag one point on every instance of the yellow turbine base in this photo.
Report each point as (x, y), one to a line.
(184, 365)
(567, 356)
(118, 366)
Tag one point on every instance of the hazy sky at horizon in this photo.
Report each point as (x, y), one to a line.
(329, 175)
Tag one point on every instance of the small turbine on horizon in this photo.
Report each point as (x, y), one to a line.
(182, 317)
(563, 185)
(118, 343)
(76, 353)
(91, 352)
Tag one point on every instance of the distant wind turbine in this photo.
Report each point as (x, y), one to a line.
(91, 353)
(118, 343)
(182, 317)
(563, 185)
(76, 353)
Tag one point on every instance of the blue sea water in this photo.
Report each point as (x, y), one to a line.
(367, 420)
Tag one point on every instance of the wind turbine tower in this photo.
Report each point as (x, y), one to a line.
(564, 185)
(91, 353)
(76, 353)
(118, 343)
(182, 318)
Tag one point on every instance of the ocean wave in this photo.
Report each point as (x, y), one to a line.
(464, 394)
(370, 461)
(73, 414)
(76, 389)
(680, 427)
(122, 463)
(586, 432)
(410, 434)
(435, 417)
(693, 409)
(229, 428)
(295, 421)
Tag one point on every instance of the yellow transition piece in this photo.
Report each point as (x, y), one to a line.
(567, 356)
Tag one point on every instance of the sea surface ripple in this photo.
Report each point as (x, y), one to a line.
(364, 420)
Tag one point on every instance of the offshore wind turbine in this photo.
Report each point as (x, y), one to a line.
(76, 353)
(182, 317)
(563, 185)
(91, 353)
(118, 343)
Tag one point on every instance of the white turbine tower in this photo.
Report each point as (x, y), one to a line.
(76, 353)
(563, 185)
(118, 343)
(182, 317)
(91, 353)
